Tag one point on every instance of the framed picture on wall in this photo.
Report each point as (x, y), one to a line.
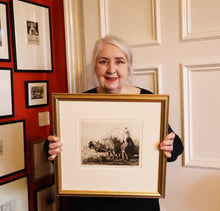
(14, 194)
(12, 148)
(36, 93)
(41, 168)
(109, 139)
(5, 52)
(31, 37)
(46, 199)
(6, 93)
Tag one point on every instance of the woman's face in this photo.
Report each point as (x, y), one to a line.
(111, 69)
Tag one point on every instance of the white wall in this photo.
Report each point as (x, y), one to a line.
(176, 51)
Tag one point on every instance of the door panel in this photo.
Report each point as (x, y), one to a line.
(176, 46)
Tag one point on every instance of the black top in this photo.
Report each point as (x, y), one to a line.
(143, 91)
(121, 204)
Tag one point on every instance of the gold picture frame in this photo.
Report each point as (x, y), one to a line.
(110, 144)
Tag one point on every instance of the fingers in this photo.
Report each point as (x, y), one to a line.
(55, 146)
(170, 136)
(52, 157)
(53, 139)
(167, 154)
(167, 144)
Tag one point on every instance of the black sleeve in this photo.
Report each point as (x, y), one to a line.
(93, 90)
(177, 146)
(46, 148)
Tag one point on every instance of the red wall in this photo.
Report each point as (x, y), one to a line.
(57, 83)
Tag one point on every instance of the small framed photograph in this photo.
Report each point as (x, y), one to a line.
(12, 148)
(36, 93)
(5, 53)
(6, 93)
(31, 37)
(110, 141)
(41, 167)
(46, 199)
(14, 195)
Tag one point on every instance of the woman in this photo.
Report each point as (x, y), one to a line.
(112, 65)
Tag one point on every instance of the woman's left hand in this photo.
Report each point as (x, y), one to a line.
(167, 144)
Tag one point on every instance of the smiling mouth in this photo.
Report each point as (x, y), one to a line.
(111, 78)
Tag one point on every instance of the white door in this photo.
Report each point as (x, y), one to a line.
(176, 47)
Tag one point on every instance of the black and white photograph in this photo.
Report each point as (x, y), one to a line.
(8, 206)
(6, 93)
(36, 93)
(5, 53)
(31, 30)
(109, 142)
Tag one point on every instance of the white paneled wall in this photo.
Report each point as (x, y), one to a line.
(138, 30)
(197, 23)
(148, 78)
(176, 47)
(201, 112)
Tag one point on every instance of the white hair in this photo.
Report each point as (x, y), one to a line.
(118, 42)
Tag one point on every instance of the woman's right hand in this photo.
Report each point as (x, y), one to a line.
(55, 146)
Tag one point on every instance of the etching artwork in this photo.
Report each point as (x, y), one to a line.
(37, 92)
(110, 142)
(33, 32)
(8, 206)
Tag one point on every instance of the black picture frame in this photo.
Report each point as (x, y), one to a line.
(36, 93)
(6, 92)
(5, 50)
(32, 40)
(12, 147)
(15, 194)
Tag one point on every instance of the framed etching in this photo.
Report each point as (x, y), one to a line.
(36, 93)
(5, 53)
(110, 141)
(12, 148)
(31, 37)
(41, 167)
(14, 194)
(6, 93)
(46, 199)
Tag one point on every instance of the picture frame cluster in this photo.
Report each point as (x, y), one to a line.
(32, 52)
(30, 28)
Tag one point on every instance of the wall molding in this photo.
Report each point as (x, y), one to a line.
(156, 25)
(156, 73)
(187, 34)
(74, 45)
(189, 159)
